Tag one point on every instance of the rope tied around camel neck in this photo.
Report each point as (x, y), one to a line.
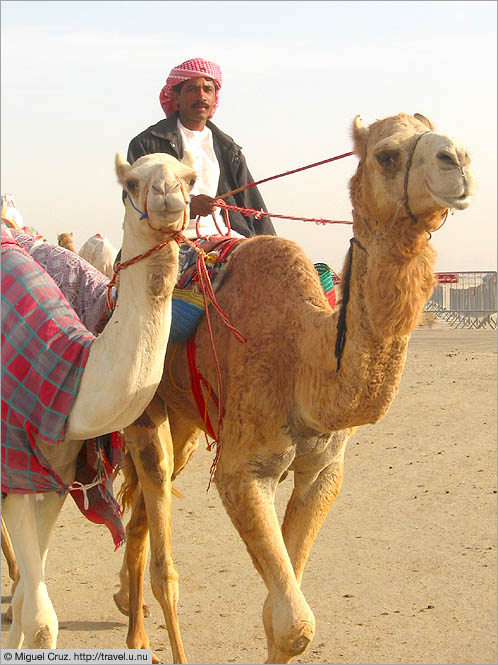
(340, 341)
(174, 236)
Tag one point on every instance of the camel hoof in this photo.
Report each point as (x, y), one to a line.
(299, 645)
(119, 605)
(8, 613)
(43, 638)
(155, 659)
(294, 645)
(124, 608)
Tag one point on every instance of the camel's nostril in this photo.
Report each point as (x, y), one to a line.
(447, 159)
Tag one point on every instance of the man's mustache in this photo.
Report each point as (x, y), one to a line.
(202, 105)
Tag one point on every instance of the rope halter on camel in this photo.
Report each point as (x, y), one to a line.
(177, 236)
(407, 175)
(341, 321)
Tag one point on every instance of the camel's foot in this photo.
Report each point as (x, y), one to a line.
(8, 614)
(39, 620)
(295, 641)
(276, 655)
(15, 636)
(121, 602)
(44, 638)
(287, 634)
(155, 659)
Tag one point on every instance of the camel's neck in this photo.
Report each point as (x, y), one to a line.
(125, 363)
(388, 288)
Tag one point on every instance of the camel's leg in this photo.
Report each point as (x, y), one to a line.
(30, 523)
(134, 545)
(185, 437)
(150, 445)
(9, 555)
(15, 637)
(312, 497)
(246, 483)
(135, 559)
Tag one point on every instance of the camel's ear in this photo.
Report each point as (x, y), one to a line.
(188, 159)
(122, 171)
(122, 168)
(360, 137)
(421, 118)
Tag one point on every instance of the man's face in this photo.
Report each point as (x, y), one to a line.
(195, 101)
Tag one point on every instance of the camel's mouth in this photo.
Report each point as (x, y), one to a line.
(456, 202)
(165, 217)
(167, 206)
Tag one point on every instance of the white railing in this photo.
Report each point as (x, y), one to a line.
(465, 299)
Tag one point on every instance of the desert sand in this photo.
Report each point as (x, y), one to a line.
(403, 571)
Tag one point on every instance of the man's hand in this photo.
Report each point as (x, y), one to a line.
(202, 205)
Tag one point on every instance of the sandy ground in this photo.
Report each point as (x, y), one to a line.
(403, 571)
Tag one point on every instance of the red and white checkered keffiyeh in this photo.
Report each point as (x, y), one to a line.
(188, 70)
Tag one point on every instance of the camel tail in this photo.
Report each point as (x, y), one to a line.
(130, 483)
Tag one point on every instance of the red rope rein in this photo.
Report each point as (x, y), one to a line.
(261, 213)
(177, 237)
(281, 175)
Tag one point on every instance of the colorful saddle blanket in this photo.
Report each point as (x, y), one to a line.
(188, 301)
(44, 351)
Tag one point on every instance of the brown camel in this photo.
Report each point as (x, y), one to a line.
(66, 240)
(304, 379)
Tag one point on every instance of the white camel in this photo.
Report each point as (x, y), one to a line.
(99, 251)
(122, 371)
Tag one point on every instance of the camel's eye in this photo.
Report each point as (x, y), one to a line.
(192, 182)
(385, 158)
(131, 186)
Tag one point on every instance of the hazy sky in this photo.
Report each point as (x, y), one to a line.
(81, 79)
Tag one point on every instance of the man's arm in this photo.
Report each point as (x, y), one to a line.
(251, 198)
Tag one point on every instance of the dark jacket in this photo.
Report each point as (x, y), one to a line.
(165, 137)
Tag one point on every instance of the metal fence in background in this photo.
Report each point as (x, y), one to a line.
(465, 299)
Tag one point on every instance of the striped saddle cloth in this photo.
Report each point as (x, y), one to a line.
(188, 302)
(45, 347)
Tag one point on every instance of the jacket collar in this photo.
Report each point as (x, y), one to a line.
(168, 129)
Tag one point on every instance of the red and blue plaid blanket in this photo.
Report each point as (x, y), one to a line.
(44, 351)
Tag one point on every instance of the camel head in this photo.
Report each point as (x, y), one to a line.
(158, 189)
(65, 239)
(408, 177)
